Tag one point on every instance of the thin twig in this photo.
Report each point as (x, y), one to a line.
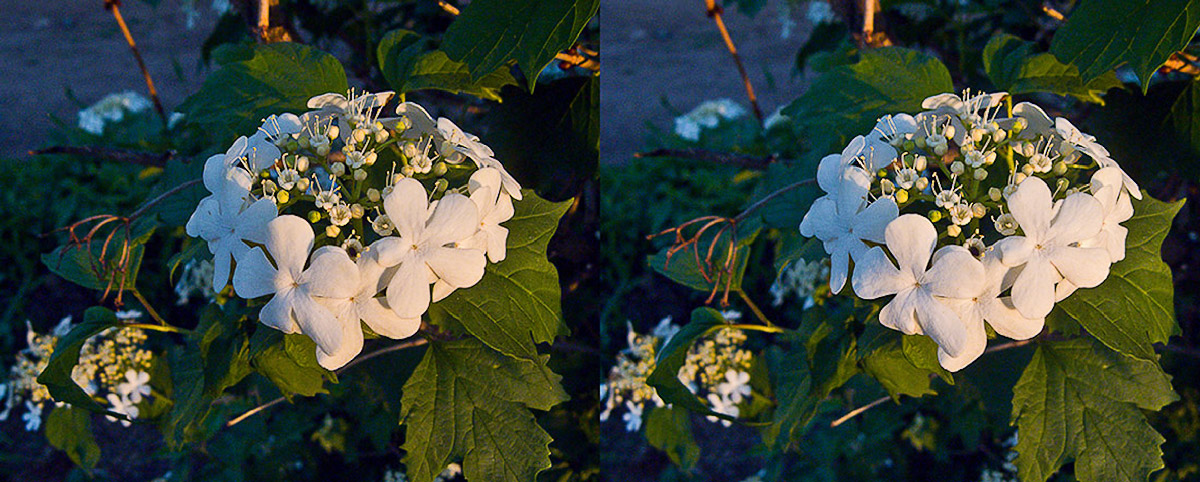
(149, 204)
(264, 21)
(1006, 346)
(714, 12)
(712, 156)
(339, 371)
(149, 309)
(857, 411)
(779, 192)
(111, 153)
(754, 308)
(114, 6)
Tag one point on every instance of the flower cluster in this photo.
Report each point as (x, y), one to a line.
(340, 215)
(706, 116)
(799, 278)
(965, 216)
(717, 368)
(113, 366)
(112, 108)
(196, 280)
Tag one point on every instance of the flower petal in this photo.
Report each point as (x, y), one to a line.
(455, 219)
(391, 251)
(876, 277)
(900, 314)
(821, 220)
(940, 322)
(1083, 267)
(331, 274)
(381, 318)
(911, 239)
(1007, 321)
(352, 341)
(252, 223)
(289, 240)
(1033, 291)
(316, 322)
(277, 313)
(839, 269)
(1080, 217)
(1032, 207)
(460, 268)
(870, 223)
(974, 345)
(408, 293)
(408, 208)
(956, 274)
(254, 275)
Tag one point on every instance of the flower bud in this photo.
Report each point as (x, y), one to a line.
(922, 183)
(269, 187)
(953, 230)
(333, 132)
(994, 194)
(301, 163)
(314, 216)
(439, 169)
(940, 150)
(332, 231)
(370, 158)
(920, 142)
(957, 167)
(1019, 178)
(440, 185)
(282, 197)
(1060, 167)
(1027, 169)
(373, 195)
(999, 135)
(323, 150)
(359, 135)
(935, 215)
(909, 145)
(901, 196)
(302, 184)
(360, 175)
(337, 169)
(292, 145)
(920, 163)
(357, 211)
(1061, 184)
(303, 141)
(381, 135)
(980, 174)
(978, 210)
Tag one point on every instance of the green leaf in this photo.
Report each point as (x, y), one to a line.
(1078, 400)
(672, 356)
(409, 62)
(1013, 67)
(491, 33)
(825, 37)
(85, 267)
(225, 350)
(70, 429)
(1103, 34)
(792, 383)
(258, 81)
(921, 351)
(1134, 308)
(670, 429)
(466, 401)
(682, 266)
(190, 404)
(1184, 117)
(847, 100)
(786, 210)
(891, 368)
(517, 303)
(57, 375)
(285, 361)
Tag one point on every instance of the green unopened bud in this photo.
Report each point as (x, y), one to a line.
(282, 197)
(1060, 167)
(901, 196)
(303, 141)
(920, 142)
(440, 185)
(1061, 184)
(978, 210)
(994, 194)
(314, 216)
(909, 145)
(439, 169)
(1019, 125)
(292, 145)
(373, 195)
(935, 215)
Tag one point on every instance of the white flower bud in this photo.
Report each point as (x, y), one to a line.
(920, 163)
(1028, 168)
(301, 163)
(333, 132)
(360, 175)
(1019, 178)
(373, 195)
(978, 210)
(337, 169)
(1060, 167)
(957, 167)
(360, 135)
(302, 184)
(953, 230)
(994, 194)
(357, 211)
(269, 187)
(332, 231)
(980, 174)
(886, 187)
(922, 183)
(371, 157)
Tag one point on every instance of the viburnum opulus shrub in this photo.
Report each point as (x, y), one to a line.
(346, 245)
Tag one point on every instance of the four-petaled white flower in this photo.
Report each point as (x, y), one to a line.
(494, 207)
(724, 406)
(632, 416)
(32, 416)
(736, 386)
(843, 221)
(918, 287)
(293, 308)
(224, 220)
(427, 247)
(123, 406)
(890, 131)
(135, 386)
(1048, 252)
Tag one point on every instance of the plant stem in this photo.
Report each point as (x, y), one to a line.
(114, 6)
(856, 412)
(754, 308)
(162, 328)
(765, 329)
(714, 12)
(781, 191)
(149, 309)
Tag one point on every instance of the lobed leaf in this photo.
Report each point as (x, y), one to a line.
(1013, 67)
(409, 62)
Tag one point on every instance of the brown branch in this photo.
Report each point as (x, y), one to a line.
(114, 6)
(264, 21)
(339, 371)
(712, 156)
(112, 154)
(857, 411)
(714, 12)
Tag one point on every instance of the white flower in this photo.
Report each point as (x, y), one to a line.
(724, 406)
(288, 178)
(382, 225)
(706, 115)
(1114, 200)
(632, 417)
(843, 221)
(1047, 251)
(965, 108)
(223, 223)
(135, 386)
(457, 145)
(349, 112)
(123, 406)
(293, 308)
(665, 329)
(365, 305)
(1088, 145)
(340, 214)
(111, 108)
(916, 307)
(890, 131)
(736, 386)
(426, 248)
(494, 207)
(987, 305)
(32, 416)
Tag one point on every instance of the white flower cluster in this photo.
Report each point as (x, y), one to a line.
(196, 280)
(113, 366)
(967, 217)
(289, 208)
(112, 108)
(800, 278)
(717, 367)
(707, 115)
